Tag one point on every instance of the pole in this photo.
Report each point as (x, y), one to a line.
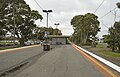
(56, 26)
(47, 19)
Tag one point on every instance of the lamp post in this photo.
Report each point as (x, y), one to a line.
(56, 25)
(47, 11)
(57, 28)
(46, 33)
(46, 47)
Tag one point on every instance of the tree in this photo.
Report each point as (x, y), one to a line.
(2, 22)
(24, 19)
(113, 38)
(85, 26)
(106, 38)
(117, 34)
(50, 31)
(118, 4)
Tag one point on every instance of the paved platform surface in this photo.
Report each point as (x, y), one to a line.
(62, 61)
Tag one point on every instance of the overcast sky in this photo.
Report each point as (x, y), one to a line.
(65, 10)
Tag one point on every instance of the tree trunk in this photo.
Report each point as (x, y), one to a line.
(93, 43)
(85, 38)
(21, 40)
(113, 47)
(81, 39)
(118, 47)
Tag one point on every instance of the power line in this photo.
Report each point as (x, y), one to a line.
(107, 13)
(104, 25)
(115, 13)
(42, 9)
(38, 4)
(99, 6)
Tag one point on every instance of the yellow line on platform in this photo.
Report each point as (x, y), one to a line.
(103, 69)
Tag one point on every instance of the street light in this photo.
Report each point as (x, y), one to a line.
(46, 46)
(47, 11)
(56, 25)
(46, 33)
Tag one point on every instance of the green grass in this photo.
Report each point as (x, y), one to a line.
(103, 50)
(6, 42)
(101, 45)
(110, 54)
(4, 48)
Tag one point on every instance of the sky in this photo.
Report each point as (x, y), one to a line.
(65, 10)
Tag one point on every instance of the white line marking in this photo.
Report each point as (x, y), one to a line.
(108, 63)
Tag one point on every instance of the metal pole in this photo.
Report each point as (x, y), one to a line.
(47, 19)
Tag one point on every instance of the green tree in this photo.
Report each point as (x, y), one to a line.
(117, 34)
(113, 39)
(24, 19)
(118, 4)
(106, 38)
(50, 30)
(85, 26)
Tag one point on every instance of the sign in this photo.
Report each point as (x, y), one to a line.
(46, 34)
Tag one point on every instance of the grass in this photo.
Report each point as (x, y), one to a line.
(6, 45)
(6, 42)
(103, 50)
(4, 48)
(110, 54)
(101, 45)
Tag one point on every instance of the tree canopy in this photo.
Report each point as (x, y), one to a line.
(17, 14)
(50, 30)
(85, 27)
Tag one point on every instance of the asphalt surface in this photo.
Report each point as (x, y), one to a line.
(12, 58)
(62, 61)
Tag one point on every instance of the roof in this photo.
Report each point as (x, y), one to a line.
(58, 36)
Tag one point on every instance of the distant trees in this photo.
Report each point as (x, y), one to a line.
(50, 31)
(17, 15)
(113, 38)
(85, 28)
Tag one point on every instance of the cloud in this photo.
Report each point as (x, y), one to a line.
(65, 10)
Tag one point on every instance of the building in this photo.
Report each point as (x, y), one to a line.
(58, 39)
